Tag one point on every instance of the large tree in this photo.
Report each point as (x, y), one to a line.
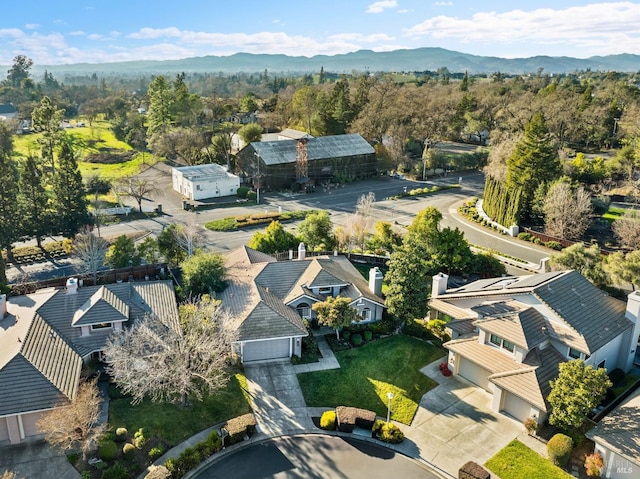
(136, 188)
(627, 229)
(577, 390)
(46, 119)
(275, 239)
(336, 313)
(9, 218)
(122, 253)
(19, 71)
(623, 269)
(203, 273)
(316, 232)
(91, 250)
(586, 261)
(75, 425)
(160, 105)
(250, 133)
(567, 214)
(33, 202)
(534, 160)
(169, 360)
(69, 202)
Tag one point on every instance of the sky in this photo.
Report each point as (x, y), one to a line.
(98, 31)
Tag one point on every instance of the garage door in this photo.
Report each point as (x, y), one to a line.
(474, 373)
(262, 350)
(516, 407)
(29, 424)
(4, 431)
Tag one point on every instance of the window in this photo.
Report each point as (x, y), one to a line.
(366, 314)
(497, 340)
(507, 345)
(304, 310)
(101, 326)
(325, 290)
(601, 365)
(574, 353)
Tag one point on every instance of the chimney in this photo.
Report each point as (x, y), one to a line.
(439, 285)
(3, 305)
(302, 252)
(72, 286)
(290, 255)
(375, 281)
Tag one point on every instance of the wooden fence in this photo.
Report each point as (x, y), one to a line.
(370, 259)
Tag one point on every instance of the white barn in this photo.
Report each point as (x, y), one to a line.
(204, 181)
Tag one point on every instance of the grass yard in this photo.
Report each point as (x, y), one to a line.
(613, 214)
(171, 423)
(517, 461)
(369, 372)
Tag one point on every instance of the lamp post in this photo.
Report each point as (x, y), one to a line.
(389, 397)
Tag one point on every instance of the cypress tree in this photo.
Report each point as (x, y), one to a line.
(69, 200)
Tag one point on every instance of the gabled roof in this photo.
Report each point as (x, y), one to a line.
(524, 328)
(586, 315)
(325, 147)
(7, 108)
(619, 430)
(102, 304)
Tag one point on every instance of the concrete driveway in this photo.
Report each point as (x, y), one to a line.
(36, 460)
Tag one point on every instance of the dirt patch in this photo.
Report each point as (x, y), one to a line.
(110, 156)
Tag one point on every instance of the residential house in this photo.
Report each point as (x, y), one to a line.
(617, 439)
(7, 111)
(269, 299)
(47, 336)
(280, 164)
(204, 181)
(511, 333)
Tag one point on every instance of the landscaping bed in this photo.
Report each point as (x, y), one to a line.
(231, 223)
(424, 191)
(368, 373)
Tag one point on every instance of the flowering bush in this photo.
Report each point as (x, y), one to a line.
(444, 369)
(593, 463)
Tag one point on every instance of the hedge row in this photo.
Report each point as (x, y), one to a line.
(234, 222)
(423, 191)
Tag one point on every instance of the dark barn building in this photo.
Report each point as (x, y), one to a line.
(280, 164)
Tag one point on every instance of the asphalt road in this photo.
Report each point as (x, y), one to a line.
(315, 456)
(339, 202)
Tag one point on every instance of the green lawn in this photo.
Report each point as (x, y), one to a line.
(517, 461)
(171, 423)
(368, 373)
(613, 214)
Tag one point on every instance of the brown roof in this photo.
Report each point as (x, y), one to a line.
(488, 357)
(525, 328)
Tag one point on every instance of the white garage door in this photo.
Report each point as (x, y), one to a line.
(516, 407)
(474, 373)
(29, 424)
(4, 431)
(262, 350)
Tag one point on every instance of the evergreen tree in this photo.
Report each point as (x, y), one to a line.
(46, 119)
(534, 160)
(69, 201)
(33, 202)
(8, 192)
(160, 105)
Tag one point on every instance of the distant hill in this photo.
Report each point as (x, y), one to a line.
(419, 59)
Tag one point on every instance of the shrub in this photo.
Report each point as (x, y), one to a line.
(158, 472)
(391, 433)
(368, 335)
(328, 420)
(444, 369)
(107, 450)
(117, 471)
(356, 339)
(252, 196)
(121, 434)
(417, 329)
(156, 452)
(128, 448)
(559, 449)
(437, 328)
(138, 439)
(346, 335)
(240, 426)
(525, 236)
(384, 327)
(86, 475)
(593, 464)
(72, 458)
(556, 245)
(616, 376)
(242, 192)
(530, 425)
(214, 442)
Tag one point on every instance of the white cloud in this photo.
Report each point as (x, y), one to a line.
(77, 33)
(443, 4)
(152, 33)
(94, 36)
(378, 7)
(404, 10)
(115, 34)
(359, 37)
(32, 26)
(599, 27)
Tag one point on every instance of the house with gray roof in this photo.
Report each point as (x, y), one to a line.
(46, 337)
(276, 164)
(617, 439)
(270, 299)
(510, 334)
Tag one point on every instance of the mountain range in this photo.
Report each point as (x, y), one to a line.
(419, 59)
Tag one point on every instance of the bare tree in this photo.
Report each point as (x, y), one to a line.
(8, 475)
(170, 360)
(361, 221)
(76, 425)
(567, 215)
(627, 229)
(136, 188)
(189, 236)
(91, 250)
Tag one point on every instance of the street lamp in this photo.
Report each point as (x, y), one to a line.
(389, 397)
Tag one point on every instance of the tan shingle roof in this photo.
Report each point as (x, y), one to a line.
(619, 430)
(488, 357)
(450, 309)
(524, 328)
